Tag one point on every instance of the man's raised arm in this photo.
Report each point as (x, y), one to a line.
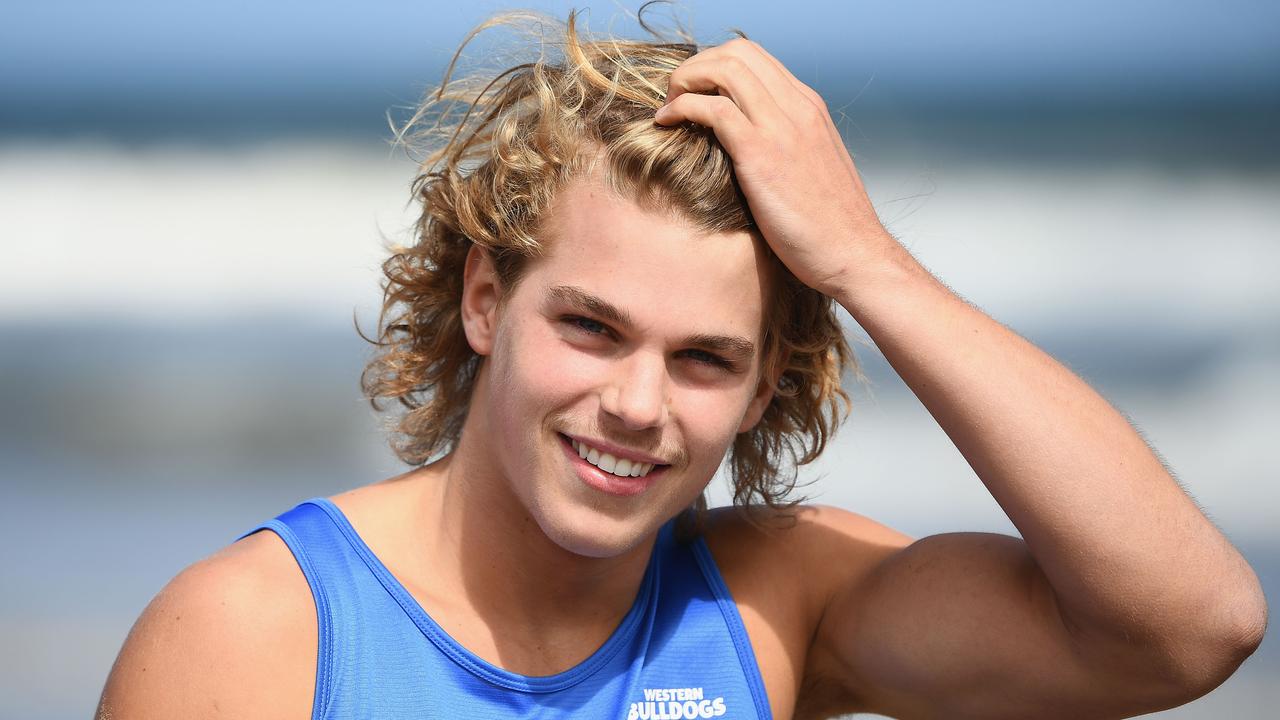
(1123, 598)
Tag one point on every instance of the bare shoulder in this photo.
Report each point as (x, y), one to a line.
(232, 635)
(824, 545)
(783, 568)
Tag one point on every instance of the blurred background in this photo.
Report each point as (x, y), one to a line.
(194, 199)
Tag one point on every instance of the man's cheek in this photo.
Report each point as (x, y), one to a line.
(713, 415)
(563, 372)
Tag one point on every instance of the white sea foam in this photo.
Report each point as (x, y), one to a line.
(205, 232)
(297, 226)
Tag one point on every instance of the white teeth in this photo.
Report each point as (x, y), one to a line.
(611, 464)
(607, 462)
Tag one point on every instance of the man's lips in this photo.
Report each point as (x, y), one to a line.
(607, 482)
(621, 453)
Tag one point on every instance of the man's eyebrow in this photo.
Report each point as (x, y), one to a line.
(732, 345)
(599, 307)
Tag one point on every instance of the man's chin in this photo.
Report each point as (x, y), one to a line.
(596, 535)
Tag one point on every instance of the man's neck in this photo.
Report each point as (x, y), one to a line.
(495, 560)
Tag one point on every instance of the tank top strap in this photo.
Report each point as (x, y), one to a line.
(698, 626)
(307, 531)
(357, 618)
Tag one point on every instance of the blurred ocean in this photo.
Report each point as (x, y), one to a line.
(178, 360)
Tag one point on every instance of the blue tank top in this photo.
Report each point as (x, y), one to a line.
(680, 652)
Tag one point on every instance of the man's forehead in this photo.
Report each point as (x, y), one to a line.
(654, 263)
(585, 199)
(589, 214)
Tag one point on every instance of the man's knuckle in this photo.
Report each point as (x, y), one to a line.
(723, 107)
(814, 114)
(735, 65)
(815, 98)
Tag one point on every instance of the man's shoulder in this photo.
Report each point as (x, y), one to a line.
(800, 556)
(765, 537)
(256, 580)
(232, 633)
(784, 569)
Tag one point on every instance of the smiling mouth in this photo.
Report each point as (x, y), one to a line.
(618, 467)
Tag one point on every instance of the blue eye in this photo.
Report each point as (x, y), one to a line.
(587, 325)
(706, 358)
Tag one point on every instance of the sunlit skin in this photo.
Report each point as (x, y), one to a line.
(1119, 597)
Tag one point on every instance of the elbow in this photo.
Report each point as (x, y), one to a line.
(1212, 651)
(1166, 663)
(1243, 634)
(1253, 617)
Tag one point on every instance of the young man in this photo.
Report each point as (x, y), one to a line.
(593, 315)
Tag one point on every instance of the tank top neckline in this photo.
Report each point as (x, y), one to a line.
(626, 630)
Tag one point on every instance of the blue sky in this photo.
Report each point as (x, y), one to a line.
(1228, 46)
(1195, 80)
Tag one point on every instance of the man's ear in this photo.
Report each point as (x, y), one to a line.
(481, 292)
(764, 395)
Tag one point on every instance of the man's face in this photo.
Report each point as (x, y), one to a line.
(637, 336)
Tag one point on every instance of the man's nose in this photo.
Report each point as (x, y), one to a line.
(638, 393)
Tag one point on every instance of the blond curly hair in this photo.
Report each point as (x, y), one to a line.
(494, 150)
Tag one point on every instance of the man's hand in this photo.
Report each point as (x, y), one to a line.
(791, 164)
